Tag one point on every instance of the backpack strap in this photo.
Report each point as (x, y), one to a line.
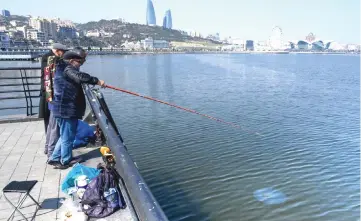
(107, 179)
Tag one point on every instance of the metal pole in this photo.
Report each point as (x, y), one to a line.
(145, 204)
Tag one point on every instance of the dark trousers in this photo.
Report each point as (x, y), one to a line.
(44, 110)
(52, 135)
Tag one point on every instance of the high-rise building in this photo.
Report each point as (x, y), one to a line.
(150, 14)
(4, 40)
(5, 13)
(48, 27)
(249, 45)
(167, 20)
(67, 32)
(34, 34)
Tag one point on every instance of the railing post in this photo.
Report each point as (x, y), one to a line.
(29, 94)
(26, 97)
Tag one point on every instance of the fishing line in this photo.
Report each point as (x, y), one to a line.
(182, 108)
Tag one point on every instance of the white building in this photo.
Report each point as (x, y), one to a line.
(126, 35)
(93, 33)
(23, 30)
(39, 36)
(235, 41)
(194, 34)
(106, 34)
(49, 27)
(160, 44)
(262, 46)
(4, 40)
(101, 33)
(233, 47)
(13, 23)
(147, 43)
(151, 44)
(132, 46)
(352, 47)
(65, 23)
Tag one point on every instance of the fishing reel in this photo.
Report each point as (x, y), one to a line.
(107, 156)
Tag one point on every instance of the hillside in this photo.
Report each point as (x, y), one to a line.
(117, 32)
(134, 32)
(21, 20)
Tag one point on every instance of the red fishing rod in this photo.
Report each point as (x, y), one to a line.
(176, 106)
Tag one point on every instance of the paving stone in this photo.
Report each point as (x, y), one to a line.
(5, 150)
(23, 140)
(4, 135)
(22, 158)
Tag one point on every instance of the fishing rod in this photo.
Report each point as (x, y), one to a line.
(179, 107)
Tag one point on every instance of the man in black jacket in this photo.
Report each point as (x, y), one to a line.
(69, 106)
(57, 50)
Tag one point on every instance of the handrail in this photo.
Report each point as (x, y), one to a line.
(24, 85)
(19, 68)
(145, 204)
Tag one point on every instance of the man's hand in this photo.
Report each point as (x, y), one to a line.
(101, 83)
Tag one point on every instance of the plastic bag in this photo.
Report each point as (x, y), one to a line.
(70, 211)
(78, 170)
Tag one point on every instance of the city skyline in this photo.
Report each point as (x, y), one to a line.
(167, 20)
(151, 19)
(331, 20)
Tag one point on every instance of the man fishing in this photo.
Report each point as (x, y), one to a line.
(69, 105)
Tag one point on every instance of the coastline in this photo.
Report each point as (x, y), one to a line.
(34, 55)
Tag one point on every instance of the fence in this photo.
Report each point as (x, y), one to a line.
(19, 90)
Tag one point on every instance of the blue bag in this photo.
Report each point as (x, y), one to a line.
(84, 134)
(78, 170)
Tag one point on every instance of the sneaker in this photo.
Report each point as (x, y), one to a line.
(75, 160)
(61, 166)
(53, 162)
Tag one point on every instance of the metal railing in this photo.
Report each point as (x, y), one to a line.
(145, 205)
(20, 83)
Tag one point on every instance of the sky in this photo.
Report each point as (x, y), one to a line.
(337, 20)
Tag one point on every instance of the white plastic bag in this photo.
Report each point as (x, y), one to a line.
(71, 211)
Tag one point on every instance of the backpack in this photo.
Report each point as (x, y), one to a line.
(49, 72)
(102, 196)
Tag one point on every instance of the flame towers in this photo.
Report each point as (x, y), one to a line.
(167, 20)
(150, 14)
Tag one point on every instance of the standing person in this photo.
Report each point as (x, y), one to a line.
(43, 109)
(48, 71)
(69, 106)
(56, 66)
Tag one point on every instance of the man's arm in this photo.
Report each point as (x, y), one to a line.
(80, 77)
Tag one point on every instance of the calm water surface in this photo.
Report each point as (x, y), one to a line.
(305, 108)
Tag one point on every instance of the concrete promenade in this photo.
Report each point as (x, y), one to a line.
(22, 158)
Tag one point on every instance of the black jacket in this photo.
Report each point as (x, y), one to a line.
(69, 99)
(43, 107)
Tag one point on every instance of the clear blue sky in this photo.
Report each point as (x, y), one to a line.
(337, 20)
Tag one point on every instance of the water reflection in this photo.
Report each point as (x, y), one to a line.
(168, 79)
(152, 74)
